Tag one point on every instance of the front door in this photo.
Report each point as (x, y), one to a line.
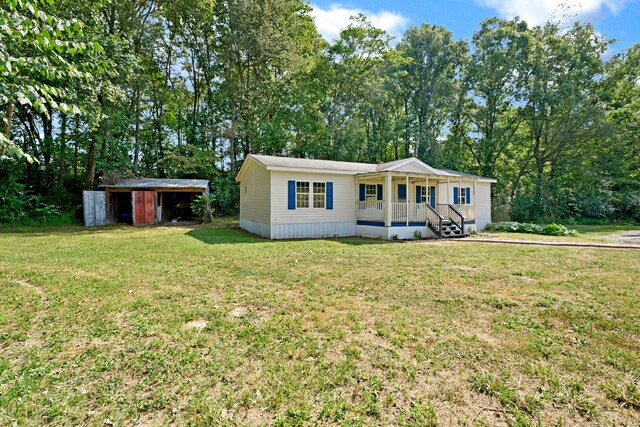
(144, 207)
(402, 193)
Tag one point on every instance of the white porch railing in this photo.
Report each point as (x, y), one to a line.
(411, 212)
(370, 211)
(467, 211)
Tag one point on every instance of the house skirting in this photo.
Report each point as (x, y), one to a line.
(259, 228)
(394, 232)
(342, 229)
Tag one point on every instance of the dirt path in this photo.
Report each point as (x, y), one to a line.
(632, 237)
(540, 243)
(35, 337)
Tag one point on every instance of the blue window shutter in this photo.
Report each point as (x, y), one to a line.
(456, 195)
(468, 195)
(418, 193)
(433, 196)
(329, 195)
(292, 194)
(363, 195)
(402, 191)
(379, 192)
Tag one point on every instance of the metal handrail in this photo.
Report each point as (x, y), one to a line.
(451, 212)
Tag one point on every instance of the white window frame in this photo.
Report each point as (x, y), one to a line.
(311, 195)
(323, 194)
(425, 195)
(463, 196)
(299, 193)
(374, 195)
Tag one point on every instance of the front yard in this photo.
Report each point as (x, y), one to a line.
(209, 325)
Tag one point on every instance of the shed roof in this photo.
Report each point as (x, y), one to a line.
(158, 183)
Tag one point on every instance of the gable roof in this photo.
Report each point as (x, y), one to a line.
(158, 183)
(410, 164)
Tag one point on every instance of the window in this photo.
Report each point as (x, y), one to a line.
(311, 195)
(371, 192)
(425, 195)
(464, 196)
(319, 193)
(245, 193)
(302, 194)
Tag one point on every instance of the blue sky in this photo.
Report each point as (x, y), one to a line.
(618, 19)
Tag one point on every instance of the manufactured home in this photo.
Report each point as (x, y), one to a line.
(142, 201)
(301, 198)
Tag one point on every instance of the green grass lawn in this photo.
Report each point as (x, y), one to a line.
(208, 325)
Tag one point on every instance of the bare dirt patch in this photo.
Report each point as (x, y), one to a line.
(629, 237)
(27, 284)
(197, 324)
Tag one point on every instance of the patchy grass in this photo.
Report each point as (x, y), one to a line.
(209, 325)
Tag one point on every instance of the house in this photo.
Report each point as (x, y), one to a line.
(300, 198)
(142, 201)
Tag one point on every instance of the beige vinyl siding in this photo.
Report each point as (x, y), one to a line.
(344, 198)
(255, 204)
(483, 204)
(441, 191)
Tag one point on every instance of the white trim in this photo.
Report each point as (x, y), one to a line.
(310, 170)
(418, 162)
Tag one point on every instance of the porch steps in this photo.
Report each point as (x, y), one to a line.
(450, 230)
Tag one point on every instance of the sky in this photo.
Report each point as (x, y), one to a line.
(616, 19)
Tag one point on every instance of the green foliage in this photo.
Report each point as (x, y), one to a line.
(36, 66)
(517, 227)
(202, 206)
(187, 89)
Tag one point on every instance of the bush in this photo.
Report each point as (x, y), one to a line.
(202, 206)
(518, 227)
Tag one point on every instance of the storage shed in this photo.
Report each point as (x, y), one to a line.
(142, 201)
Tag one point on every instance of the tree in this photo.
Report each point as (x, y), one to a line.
(434, 62)
(561, 109)
(37, 52)
(494, 80)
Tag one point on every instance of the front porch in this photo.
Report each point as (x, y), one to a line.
(443, 206)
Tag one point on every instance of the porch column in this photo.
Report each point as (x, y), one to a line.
(448, 191)
(459, 192)
(473, 200)
(387, 200)
(407, 199)
(426, 197)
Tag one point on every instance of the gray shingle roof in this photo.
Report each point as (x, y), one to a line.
(158, 183)
(292, 162)
(463, 174)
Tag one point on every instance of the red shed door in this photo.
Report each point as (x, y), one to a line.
(144, 207)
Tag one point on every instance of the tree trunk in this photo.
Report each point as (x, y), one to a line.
(136, 150)
(61, 153)
(7, 125)
(91, 163)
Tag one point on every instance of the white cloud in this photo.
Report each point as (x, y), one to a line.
(332, 20)
(537, 12)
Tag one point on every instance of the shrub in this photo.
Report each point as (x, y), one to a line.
(518, 227)
(202, 206)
